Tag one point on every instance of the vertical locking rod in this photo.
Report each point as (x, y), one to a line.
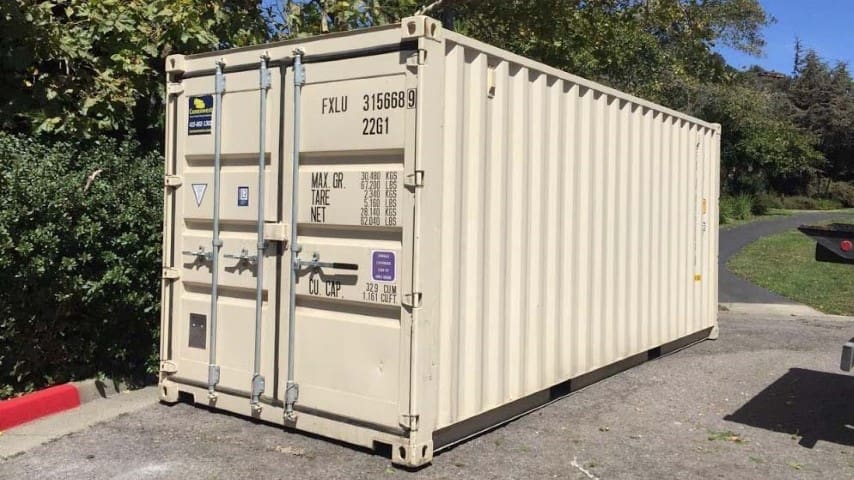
(257, 378)
(291, 388)
(216, 243)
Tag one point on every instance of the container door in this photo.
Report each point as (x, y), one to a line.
(194, 131)
(352, 351)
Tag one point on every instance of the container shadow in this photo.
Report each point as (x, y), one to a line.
(807, 403)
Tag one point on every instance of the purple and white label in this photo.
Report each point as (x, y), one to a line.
(382, 266)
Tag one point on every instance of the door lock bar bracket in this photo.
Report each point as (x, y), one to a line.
(243, 256)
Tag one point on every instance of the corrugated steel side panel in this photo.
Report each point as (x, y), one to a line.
(572, 228)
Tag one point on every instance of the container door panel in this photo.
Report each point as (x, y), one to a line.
(193, 223)
(355, 211)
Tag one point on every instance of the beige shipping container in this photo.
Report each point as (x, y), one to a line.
(450, 234)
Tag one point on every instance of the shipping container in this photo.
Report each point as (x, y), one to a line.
(399, 237)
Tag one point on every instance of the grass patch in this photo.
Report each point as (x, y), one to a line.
(727, 436)
(785, 264)
(771, 215)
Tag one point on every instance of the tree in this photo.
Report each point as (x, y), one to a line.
(293, 18)
(823, 97)
(656, 49)
(799, 52)
(80, 67)
(85, 66)
(761, 148)
(652, 48)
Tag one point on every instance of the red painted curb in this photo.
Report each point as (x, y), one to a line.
(29, 407)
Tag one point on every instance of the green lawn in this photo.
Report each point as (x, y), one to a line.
(785, 264)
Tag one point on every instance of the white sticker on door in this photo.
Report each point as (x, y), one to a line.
(199, 192)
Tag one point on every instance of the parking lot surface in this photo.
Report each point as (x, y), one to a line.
(764, 401)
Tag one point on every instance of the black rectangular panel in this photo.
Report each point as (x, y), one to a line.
(198, 330)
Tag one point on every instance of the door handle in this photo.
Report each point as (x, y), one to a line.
(315, 264)
(200, 254)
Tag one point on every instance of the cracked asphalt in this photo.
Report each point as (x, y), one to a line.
(764, 401)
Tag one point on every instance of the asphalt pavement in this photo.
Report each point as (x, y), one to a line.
(764, 401)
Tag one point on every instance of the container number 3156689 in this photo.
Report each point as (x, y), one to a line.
(379, 101)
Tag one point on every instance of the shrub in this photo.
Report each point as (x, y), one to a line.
(843, 192)
(800, 202)
(827, 204)
(723, 216)
(738, 207)
(80, 233)
(764, 202)
(725, 210)
(743, 207)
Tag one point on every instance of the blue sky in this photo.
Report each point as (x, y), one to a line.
(826, 26)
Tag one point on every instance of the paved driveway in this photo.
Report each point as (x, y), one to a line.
(764, 401)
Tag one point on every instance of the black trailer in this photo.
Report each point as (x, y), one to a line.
(835, 244)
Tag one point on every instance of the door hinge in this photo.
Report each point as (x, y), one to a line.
(171, 273)
(409, 421)
(172, 181)
(412, 300)
(167, 366)
(174, 88)
(276, 232)
(414, 179)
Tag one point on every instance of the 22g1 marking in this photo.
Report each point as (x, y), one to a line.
(375, 126)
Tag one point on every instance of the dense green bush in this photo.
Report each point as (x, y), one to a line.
(799, 202)
(764, 202)
(79, 260)
(737, 207)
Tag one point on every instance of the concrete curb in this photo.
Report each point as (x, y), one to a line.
(779, 309)
(58, 398)
(94, 389)
(30, 435)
